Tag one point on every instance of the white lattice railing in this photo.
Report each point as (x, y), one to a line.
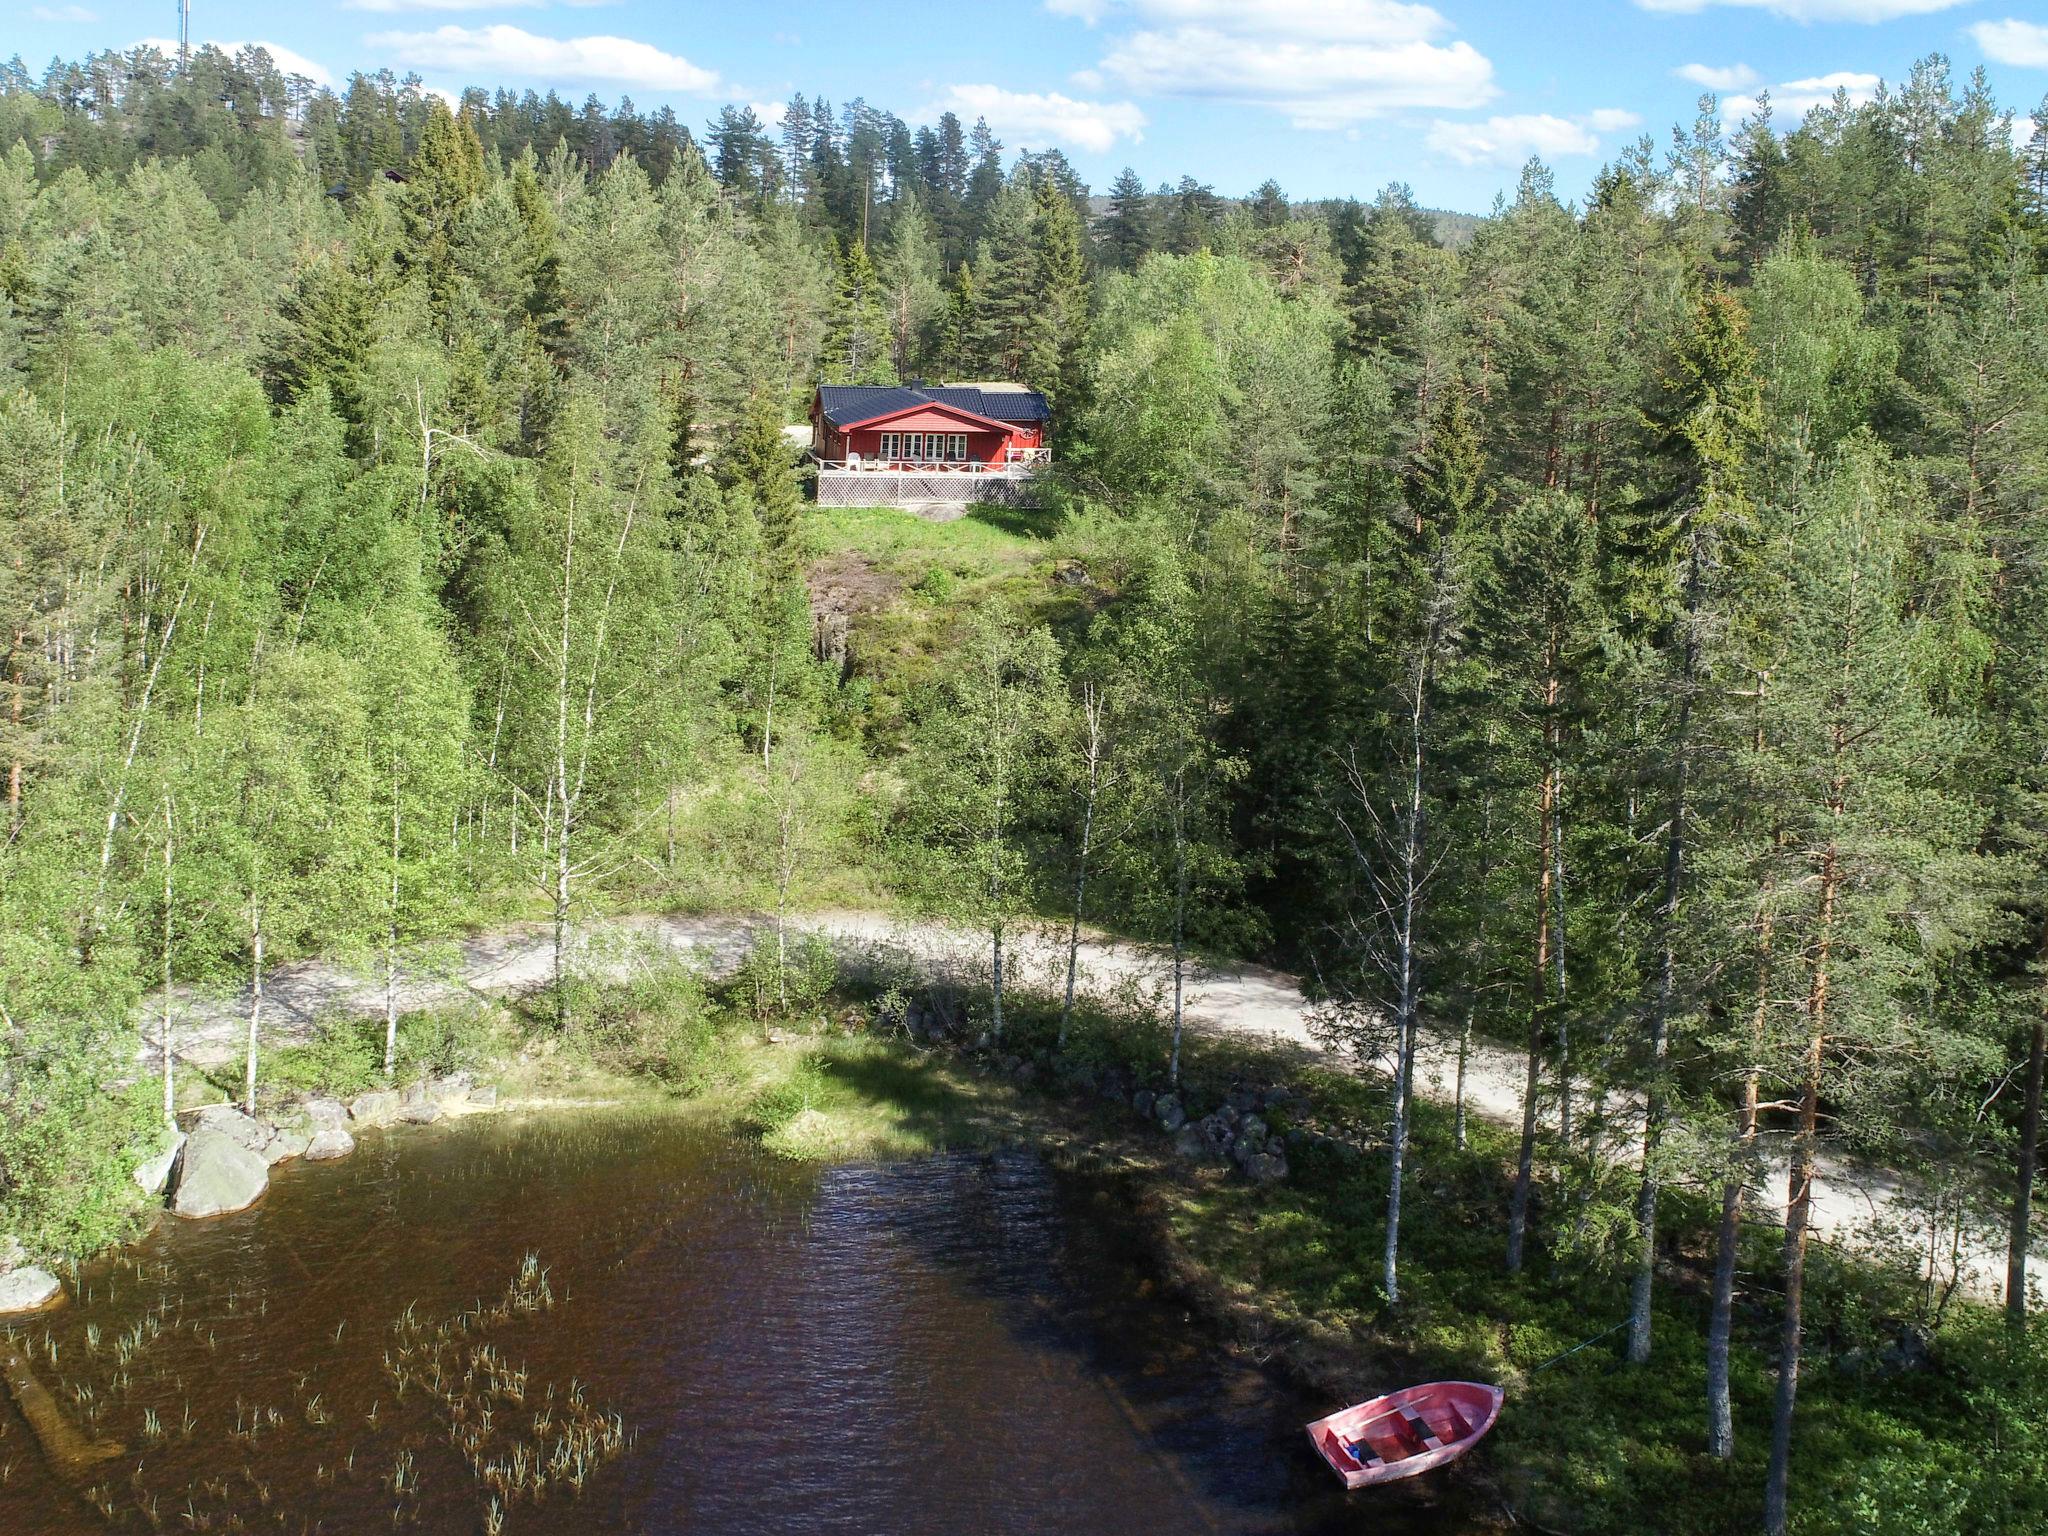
(1022, 461)
(839, 486)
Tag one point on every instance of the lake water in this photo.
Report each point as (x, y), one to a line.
(968, 1344)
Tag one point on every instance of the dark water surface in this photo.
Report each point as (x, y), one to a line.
(962, 1345)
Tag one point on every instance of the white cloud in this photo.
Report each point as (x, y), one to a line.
(499, 50)
(1719, 77)
(1509, 141)
(1869, 11)
(285, 59)
(392, 7)
(1031, 120)
(2013, 42)
(1795, 98)
(1323, 63)
(63, 13)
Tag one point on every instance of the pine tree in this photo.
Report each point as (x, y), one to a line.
(1672, 551)
(1127, 234)
(910, 279)
(1052, 355)
(1393, 780)
(445, 176)
(1534, 604)
(858, 337)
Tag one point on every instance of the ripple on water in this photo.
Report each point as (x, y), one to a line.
(960, 1344)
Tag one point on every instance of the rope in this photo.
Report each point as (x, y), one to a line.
(1546, 1365)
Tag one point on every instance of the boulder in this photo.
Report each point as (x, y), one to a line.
(484, 1095)
(1218, 1132)
(1241, 1101)
(414, 1092)
(328, 1143)
(285, 1142)
(377, 1107)
(1253, 1127)
(1171, 1116)
(1267, 1167)
(217, 1174)
(1190, 1144)
(325, 1114)
(452, 1089)
(28, 1289)
(153, 1177)
(426, 1112)
(228, 1121)
(1142, 1102)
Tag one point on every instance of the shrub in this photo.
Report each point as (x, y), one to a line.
(66, 1148)
(642, 1010)
(789, 985)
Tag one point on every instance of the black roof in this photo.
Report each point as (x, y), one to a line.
(843, 403)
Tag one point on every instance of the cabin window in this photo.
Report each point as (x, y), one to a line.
(889, 444)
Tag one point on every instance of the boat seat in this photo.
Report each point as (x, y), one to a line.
(1461, 1428)
(1419, 1427)
(1339, 1451)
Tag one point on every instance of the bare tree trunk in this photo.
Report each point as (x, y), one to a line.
(1525, 1161)
(1407, 980)
(1557, 961)
(1656, 1107)
(1091, 704)
(134, 743)
(2022, 1235)
(1728, 1241)
(391, 936)
(996, 945)
(164, 1030)
(1180, 922)
(1464, 1054)
(1799, 1186)
(255, 1003)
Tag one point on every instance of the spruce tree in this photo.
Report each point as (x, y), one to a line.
(1127, 234)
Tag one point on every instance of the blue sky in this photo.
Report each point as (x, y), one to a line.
(1330, 97)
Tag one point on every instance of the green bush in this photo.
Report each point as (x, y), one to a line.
(67, 1146)
(791, 985)
(346, 1056)
(344, 1059)
(643, 1011)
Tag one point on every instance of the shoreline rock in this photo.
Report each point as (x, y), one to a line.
(218, 1175)
(29, 1289)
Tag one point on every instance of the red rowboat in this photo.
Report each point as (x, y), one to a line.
(1406, 1432)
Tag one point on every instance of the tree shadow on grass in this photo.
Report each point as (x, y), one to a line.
(1018, 522)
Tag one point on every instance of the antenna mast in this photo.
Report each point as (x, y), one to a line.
(184, 32)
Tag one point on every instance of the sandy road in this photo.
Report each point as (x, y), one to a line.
(1853, 1203)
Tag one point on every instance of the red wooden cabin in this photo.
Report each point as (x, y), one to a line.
(972, 428)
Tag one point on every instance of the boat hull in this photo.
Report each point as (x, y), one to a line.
(1406, 1433)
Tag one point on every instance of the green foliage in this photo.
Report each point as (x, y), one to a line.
(67, 1144)
(790, 980)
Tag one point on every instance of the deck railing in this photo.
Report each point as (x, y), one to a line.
(1021, 461)
(913, 485)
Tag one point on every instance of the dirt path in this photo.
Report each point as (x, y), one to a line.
(1853, 1203)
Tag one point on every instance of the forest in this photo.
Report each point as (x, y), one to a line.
(1622, 633)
